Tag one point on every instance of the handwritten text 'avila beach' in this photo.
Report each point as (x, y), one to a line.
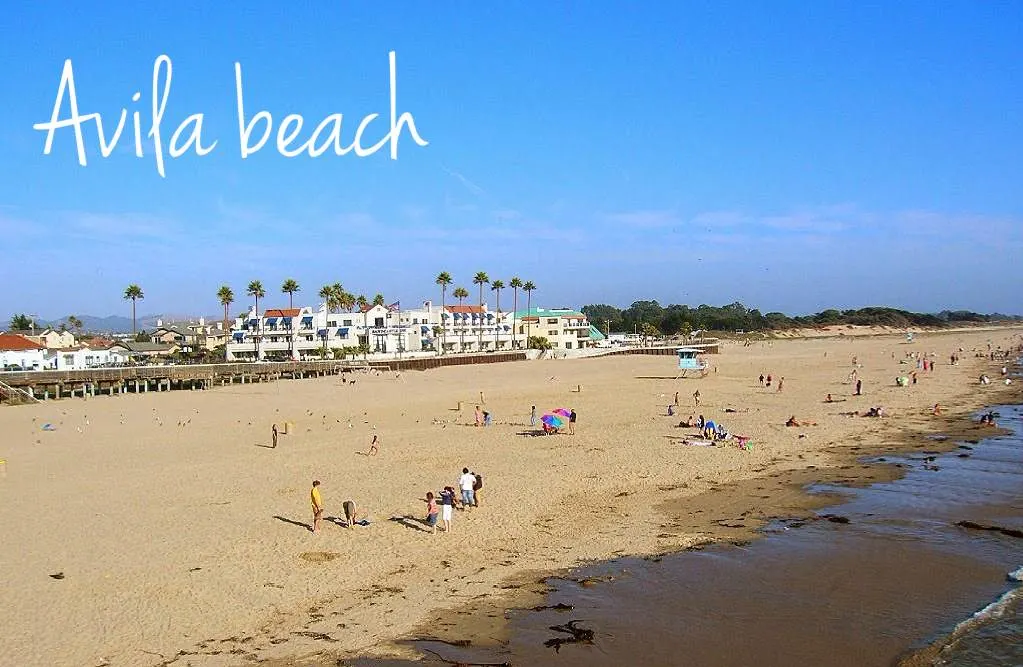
(189, 133)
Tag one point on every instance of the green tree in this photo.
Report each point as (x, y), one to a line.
(515, 283)
(362, 302)
(225, 295)
(378, 299)
(538, 343)
(133, 293)
(603, 316)
(289, 287)
(21, 322)
(75, 323)
(443, 279)
(529, 288)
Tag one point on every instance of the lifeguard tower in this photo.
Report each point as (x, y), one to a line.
(689, 360)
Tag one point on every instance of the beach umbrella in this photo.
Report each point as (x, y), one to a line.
(554, 421)
(564, 412)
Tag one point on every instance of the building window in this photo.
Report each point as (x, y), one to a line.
(552, 320)
(552, 332)
(347, 323)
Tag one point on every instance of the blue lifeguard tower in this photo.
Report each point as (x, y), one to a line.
(689, 360)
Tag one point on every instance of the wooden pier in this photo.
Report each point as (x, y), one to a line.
(47, 385)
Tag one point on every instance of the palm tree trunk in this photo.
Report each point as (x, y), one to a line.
(515, 308)
(481, 320)
(497, 325)
(133, 317)
(257, 328)
(529, 323)
(444, 329)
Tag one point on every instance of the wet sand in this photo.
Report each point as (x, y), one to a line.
(179, 533)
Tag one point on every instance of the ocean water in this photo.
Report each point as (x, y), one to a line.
(896, 576)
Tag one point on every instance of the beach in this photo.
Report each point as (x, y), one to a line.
(180, 536)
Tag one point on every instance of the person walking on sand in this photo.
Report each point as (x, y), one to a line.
(768, 385)
(466, 482)
(477, 486)
(431, 512)
(479, 416)
(317, 503)
(781, 383)
(571, 422)
(273, 437)
(696, 397)
(447, 503)
(373, 446)
(532, 416)
(676, 399)
(859, 387)
(761, 379)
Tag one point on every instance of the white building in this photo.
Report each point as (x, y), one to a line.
(20, 353)
(304, 333)
(83, 357)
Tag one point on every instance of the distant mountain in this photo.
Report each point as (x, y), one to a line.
(116, 323)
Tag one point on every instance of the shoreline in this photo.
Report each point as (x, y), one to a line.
(747, 505)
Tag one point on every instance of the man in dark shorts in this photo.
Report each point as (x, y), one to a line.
(476, 487)
(349, 508)
(571, 423)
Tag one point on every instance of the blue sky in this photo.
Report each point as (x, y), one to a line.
(794, 156)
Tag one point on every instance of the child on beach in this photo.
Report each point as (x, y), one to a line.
(317, 503)
(273, 436)
(431, 512)
(447, 503)
(479, 417)
(532, 416)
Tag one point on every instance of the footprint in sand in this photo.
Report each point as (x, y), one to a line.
(319, 556)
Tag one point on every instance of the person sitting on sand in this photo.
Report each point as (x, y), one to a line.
(701, 423)
(671, 410)
(936, 410)
(874, 412)
(709, 429)
(828, 399)
(487, 420)
(687, 423)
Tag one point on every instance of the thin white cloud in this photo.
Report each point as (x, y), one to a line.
(472, 187)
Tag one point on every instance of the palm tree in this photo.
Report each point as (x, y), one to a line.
(226, 297)
(443, 279)
(362, 302)
(528, 289)
(133, 293)
(329, 295)
(515, 283)
(289, 287)
(378, 299)
(497, 286)
(461, 293)
(255, 290)
(481, 279)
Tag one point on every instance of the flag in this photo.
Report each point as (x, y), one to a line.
(395, 306)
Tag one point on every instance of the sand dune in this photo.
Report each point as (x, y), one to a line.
(177, 529)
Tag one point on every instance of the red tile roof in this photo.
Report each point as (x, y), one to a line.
(463, 309)
(282, 312)
(13, 343)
